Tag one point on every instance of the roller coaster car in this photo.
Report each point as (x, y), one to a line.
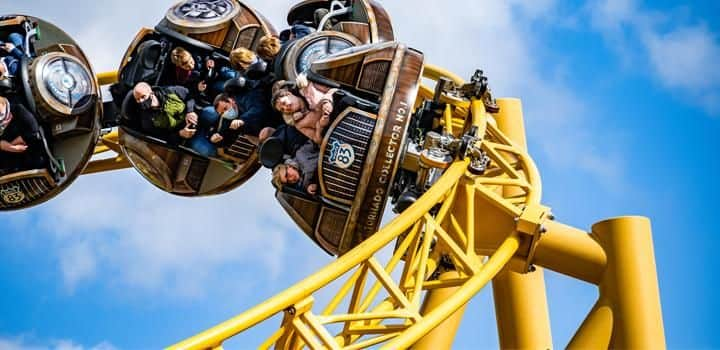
(355, 22)
(207, 29)
(365, 20)
(363, 146)
(56, 84)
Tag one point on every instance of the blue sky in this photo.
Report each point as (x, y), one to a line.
(622, 103)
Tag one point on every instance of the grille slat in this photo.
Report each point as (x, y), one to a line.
(241, 149)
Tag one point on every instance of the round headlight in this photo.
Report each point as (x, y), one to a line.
(315, 47)
(64, 83)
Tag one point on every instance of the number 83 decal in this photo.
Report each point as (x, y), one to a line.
(342, 155)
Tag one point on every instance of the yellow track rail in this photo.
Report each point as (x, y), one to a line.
(378, 308)
(475, 225)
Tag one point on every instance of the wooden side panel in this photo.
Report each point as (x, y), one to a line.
(215, 38)
(383, 23)
(397, 101)
(357, 29)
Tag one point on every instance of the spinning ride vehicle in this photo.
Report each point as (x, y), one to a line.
(212, 30)
(207, 30)
(50, 122)
(362, 149)
(340, 24)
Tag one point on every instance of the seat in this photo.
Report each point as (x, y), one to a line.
(7, 86)
(146, 64)
(128, 110)
(271, 152)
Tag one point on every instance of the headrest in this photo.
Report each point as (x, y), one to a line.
(271, 152)
(149, 53)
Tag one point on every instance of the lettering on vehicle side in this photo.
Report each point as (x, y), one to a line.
(374, 202)
(12, 195)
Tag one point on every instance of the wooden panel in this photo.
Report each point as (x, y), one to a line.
(383, 23)
(384, 155)
(216, 38)
(304, 212)
(373, 76)
(232, 36)
(247, 36)
(346, 75)
(330, 228)
(357, 29)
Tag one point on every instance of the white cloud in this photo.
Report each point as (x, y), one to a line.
(28, 342)
(77, 264)
(163, 243)
(170, 245)
(681, 54)
(685, 57)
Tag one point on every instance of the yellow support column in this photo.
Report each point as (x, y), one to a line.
(520, 301)
(442, 336)
(596, 331)
(630, 283)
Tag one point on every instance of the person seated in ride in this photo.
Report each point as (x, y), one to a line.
(268, 48)
(307, 106)
(298, 30)
(230, 124)
(13, 53)
(253, 109)
(242, 58)
(165, 112)
(191, 74)
(300, 172)
(21, 144)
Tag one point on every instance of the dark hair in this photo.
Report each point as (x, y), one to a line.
(223, 97)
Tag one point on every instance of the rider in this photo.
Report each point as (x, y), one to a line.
(299, 172)
(10, 63)
(21, 145)
(166, 111)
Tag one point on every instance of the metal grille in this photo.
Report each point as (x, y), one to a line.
(17, 193)
(240, 150)
(355, 130)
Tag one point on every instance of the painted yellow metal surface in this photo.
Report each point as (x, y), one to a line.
(487, 227)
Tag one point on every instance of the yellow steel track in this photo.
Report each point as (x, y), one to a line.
(473, 225)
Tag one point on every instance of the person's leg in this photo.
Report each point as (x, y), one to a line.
(202, 146)
(207, 120)
(13, 65)
(17, 39)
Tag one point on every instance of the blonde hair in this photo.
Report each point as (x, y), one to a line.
(241, 58)
(180, 57)
(4, 101)
(276, 175)
(268, 47)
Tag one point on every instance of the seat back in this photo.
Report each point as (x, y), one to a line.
(145, 64)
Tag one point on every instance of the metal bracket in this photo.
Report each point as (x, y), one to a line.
(530, 223)
(291, 313)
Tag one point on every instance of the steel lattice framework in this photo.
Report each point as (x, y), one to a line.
(466, 231)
